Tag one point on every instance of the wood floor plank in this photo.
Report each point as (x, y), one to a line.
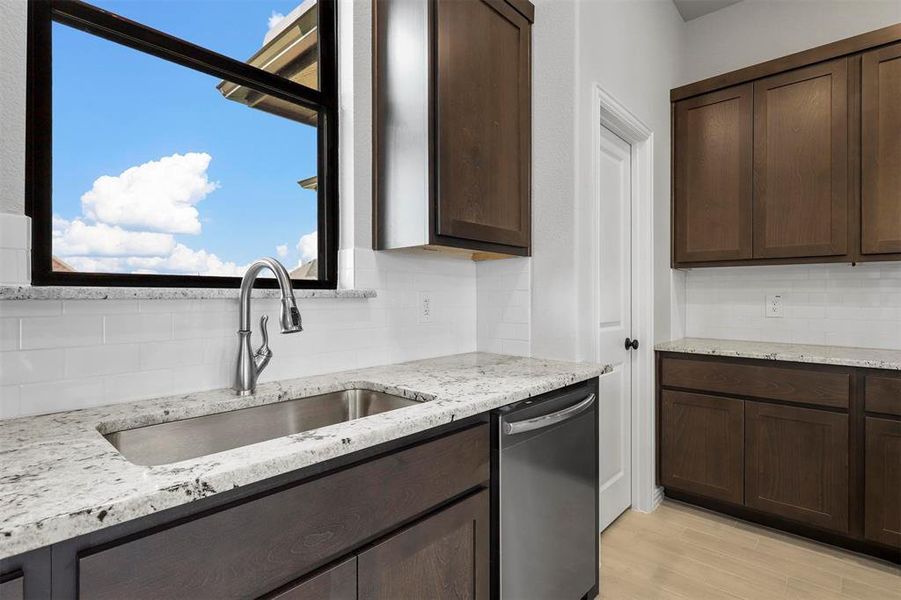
(681, 552)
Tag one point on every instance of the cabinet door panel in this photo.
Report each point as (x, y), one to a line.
(444, 556)
(483, 122)
(337, 583)
(797, 464)
(882, 522)
(881, 151)
(702, 447)
(712, 176)
(801, 163)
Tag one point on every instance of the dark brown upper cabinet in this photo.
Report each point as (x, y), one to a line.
(801, 163)
(452, 126)
(712, 176)
(880, 198)
(823, 140)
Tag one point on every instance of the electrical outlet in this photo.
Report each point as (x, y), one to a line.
(774, 307)
(426, 307)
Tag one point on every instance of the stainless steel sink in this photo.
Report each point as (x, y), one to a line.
(189, 438)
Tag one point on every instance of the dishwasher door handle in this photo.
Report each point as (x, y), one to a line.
(548, 419)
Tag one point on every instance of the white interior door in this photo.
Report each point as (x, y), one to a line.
(615, 321)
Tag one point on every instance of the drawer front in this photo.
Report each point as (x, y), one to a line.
(883, 394)
(821, 388)
(265, 543)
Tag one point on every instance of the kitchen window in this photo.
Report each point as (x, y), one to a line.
(173, 143)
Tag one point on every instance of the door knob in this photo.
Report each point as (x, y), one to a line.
(631, 344)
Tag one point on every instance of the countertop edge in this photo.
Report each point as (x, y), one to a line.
(867, 358)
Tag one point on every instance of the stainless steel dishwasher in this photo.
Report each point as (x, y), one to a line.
(547, 477)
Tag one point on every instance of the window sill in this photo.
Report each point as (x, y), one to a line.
(16, 292)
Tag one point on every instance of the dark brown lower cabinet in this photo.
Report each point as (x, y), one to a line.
(444, 556)
(336, 583)
(797, 463)
(702, 444)
(812, 449)
(883, 481)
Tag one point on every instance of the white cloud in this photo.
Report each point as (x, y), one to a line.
(77, 238)
(155, 196)
(282, 250)
(274, 19)
(185, 261)
(308, 247)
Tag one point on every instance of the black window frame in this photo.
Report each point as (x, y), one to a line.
(112, 27)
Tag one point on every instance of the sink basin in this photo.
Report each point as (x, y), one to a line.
(174, 441)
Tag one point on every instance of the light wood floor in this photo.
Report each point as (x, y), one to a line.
(685, 553)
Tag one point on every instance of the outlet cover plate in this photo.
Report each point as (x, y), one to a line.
(426, 307)
(774, 307)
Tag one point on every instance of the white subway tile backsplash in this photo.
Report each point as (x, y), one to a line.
(81, 353)
(101, 360)
(824, 304)
(26, 366)
(39, 398)
(63, 331)
(152, 327)
(9, 334)
(9, 402)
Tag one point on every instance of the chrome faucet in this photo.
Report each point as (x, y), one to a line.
(250, 363)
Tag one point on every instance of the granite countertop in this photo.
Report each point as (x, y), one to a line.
(871, 358)
(51, 292)
(61, 478)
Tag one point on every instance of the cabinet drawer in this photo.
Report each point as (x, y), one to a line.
(255, 547)
(822, 388)
(883, 394)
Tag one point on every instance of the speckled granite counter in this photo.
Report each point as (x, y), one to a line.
(60, 478)
(870, 358)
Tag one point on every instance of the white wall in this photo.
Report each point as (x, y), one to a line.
(754, 31)
(504, 306)
(631, 49)
(834, 304)
(12, 105)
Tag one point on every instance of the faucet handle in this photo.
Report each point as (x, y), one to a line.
(263, 354)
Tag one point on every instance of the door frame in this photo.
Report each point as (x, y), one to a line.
(608, 112)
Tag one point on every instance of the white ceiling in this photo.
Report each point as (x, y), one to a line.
(692, 9)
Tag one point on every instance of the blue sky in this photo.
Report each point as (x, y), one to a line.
(115, 108)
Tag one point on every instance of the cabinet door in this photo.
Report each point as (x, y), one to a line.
(881, 151)
(797, 464)
(882, 522)
(336, 583)
(712, 176)
(444, 556)
(702, 445)
(801, 162)
(483, 122)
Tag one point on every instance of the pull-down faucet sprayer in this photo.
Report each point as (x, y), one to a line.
(251, 364)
